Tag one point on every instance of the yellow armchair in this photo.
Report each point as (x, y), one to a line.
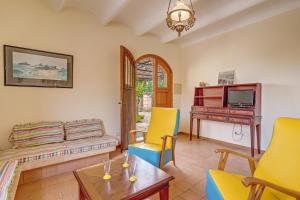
(275, 176)
(158, 147)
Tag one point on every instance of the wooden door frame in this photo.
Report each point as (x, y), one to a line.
(167, 67)
(124, 52)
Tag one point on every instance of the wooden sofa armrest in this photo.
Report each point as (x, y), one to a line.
(164, 142)
(224, 153)
(133, 135)
(258, 186)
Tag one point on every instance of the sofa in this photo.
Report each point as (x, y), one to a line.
(44, 149)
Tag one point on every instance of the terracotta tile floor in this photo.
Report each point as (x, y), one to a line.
(193, 159)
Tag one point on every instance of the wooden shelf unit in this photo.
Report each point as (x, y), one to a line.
(212, 96)
(210, 103)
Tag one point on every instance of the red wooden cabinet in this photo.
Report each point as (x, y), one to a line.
(210, 103)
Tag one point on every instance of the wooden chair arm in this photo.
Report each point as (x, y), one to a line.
(135, 131)
(133, 135)
(166, 136)
(224, 153)
(256, 193)
(236, 154)
(164, 142)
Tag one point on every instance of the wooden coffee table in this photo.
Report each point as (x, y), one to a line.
(150, 180)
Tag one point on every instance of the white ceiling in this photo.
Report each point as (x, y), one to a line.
(213, 17)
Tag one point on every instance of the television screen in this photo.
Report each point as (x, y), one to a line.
(241, 97)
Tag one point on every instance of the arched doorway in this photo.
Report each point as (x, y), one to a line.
(156, 75)
(155, 68)
(154, 81)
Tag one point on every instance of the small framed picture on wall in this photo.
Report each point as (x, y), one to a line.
(36, 68)
(226, 78)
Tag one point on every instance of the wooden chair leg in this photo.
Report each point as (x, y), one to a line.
(222, 161)
(162, 158)
(173, 157)
(162, 154)
(173, 151)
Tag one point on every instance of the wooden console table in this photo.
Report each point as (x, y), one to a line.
(210, 103)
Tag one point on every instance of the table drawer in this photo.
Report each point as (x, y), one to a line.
(239, 120)
(242, 112)
(217, 110)
(199, 109)
(200, 116)
(217, 118)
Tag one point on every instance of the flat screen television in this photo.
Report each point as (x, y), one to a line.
(241, 98)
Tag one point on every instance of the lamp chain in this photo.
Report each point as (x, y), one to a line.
(192, 5)
(169, 6)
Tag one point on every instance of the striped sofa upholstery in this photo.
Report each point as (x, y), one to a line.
(31, 154)
(67, 148)
(35, 134)
(89, 144)
(7, 178)
(84, 128)
(30, 151)
(87, 135)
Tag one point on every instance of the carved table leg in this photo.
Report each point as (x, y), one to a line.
(191, 125)
(258, 135)
(198, 128)
(252, 135)
(164, 193)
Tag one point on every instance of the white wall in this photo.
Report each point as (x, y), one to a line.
(266, 52)
(33, 24)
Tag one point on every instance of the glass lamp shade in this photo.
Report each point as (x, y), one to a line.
(181, 17)
(180, 12)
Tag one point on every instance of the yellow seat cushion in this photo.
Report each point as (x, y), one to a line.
(280, 164)
(148, 146)
(231, 187)
(163, 122)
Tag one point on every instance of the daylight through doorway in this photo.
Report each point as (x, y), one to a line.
(144, 92)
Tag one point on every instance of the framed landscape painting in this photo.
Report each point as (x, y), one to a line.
(35, 68)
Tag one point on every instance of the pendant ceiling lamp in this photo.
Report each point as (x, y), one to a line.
(181, 17)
